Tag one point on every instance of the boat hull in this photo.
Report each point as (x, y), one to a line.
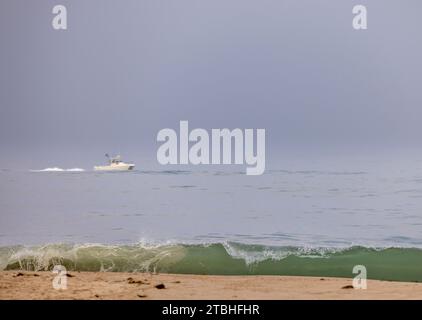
(119, 167)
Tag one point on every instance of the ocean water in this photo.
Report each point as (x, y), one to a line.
(289, 222)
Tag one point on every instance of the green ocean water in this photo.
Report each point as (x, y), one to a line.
(396, 264)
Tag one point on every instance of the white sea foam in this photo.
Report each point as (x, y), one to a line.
(54, 169)
(258, 253)
(57, 169)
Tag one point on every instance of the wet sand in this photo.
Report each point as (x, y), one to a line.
(143, 286)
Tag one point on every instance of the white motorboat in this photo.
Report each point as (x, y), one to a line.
(115, 164)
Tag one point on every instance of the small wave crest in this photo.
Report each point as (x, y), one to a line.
(57, 169)
(257, 253)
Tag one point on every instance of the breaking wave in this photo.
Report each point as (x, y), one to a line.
(229, 258)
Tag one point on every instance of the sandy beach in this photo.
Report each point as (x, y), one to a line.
(116, 285)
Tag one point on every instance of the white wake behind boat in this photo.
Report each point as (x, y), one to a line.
(115, 164)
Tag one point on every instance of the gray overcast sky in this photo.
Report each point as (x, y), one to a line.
(126, 69)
